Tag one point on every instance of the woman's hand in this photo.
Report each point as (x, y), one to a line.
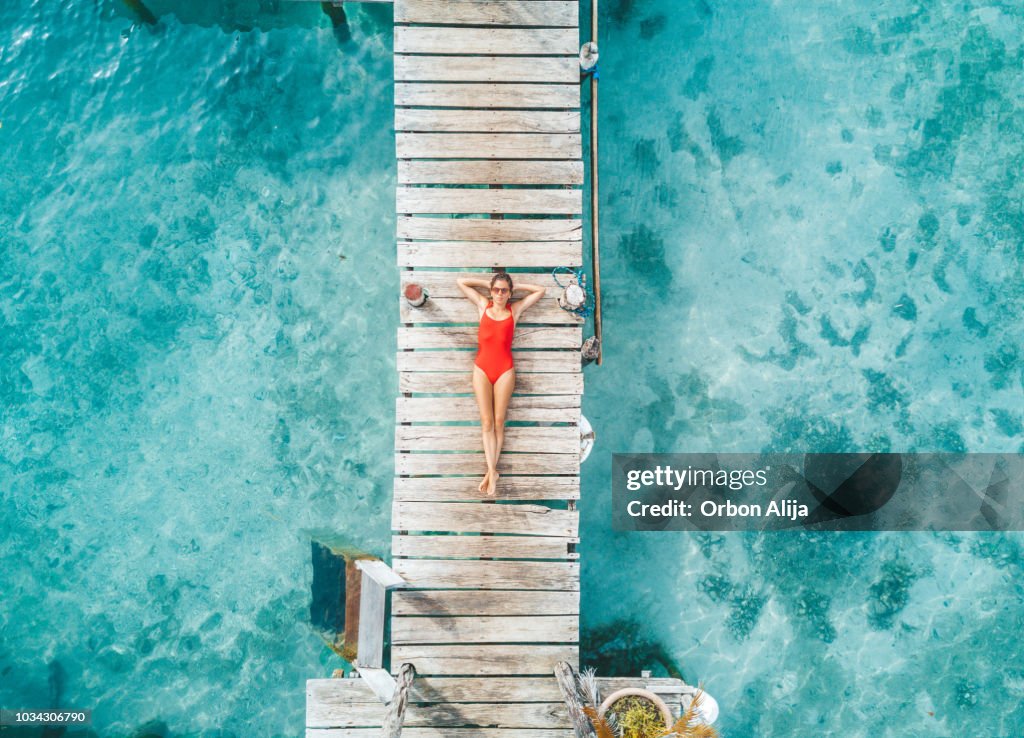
(468, 286)
(534, 293)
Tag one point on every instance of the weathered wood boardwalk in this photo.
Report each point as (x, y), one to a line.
(490, 174)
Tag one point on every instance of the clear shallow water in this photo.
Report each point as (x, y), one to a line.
(191, 288)
(819, 207)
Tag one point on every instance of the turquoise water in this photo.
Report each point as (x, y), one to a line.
(195, 225)
(819, 207)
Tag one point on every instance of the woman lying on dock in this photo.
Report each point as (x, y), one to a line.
(494, 377)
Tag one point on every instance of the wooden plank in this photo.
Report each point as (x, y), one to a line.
(526, 362)
(466, 574)
(363, 714)
(437, 120)
(339, 692)
(526, 384)
(538, 440)
(443, 284)
(488, 689)
(465, 200)
(541, 629)
(414, 465)
(498, 254)
(487, 41)
(527, 408)
(461, 310)
(488, 229)
(484, 659)
(371, 624)
(469, 517)
(665, 686)
(569, 685)
(488, 602)
(488, 95)
(518, 715)
(488, 146)
(476, 546)
(327, 708)
(565, 69)
(374, 732)
(380, 573)
(526, 337)
(439, 171)
(563, 13)
(449, 489)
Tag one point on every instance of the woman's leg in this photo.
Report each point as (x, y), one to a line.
(502, 394)
(484, 392)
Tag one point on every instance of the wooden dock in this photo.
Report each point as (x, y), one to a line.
(490, 174)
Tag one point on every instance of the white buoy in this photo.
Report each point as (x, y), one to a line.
(572, 298)
(587, 438)
(588, 56)
(707, 709)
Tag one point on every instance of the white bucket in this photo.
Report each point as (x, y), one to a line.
(572, 298)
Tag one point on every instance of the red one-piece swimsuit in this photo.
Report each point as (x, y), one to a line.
(494, 356)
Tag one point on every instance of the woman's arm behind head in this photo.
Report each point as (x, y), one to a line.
(534, 294)
(468, 286)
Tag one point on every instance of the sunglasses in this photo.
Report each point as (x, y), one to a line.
(500, 290)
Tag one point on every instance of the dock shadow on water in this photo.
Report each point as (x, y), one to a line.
(622, 648)
(327, 601)
(339, 21)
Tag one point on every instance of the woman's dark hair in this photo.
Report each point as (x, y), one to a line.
(505, 276)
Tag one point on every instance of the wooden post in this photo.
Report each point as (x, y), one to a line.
(377, 579)
(595, 230)
(371, 624)
(566, 678)
(353, 596)
(396, 709)
(145, 14)
(380, 683)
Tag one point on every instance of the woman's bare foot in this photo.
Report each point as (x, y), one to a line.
(484, 481)
(492, 484)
